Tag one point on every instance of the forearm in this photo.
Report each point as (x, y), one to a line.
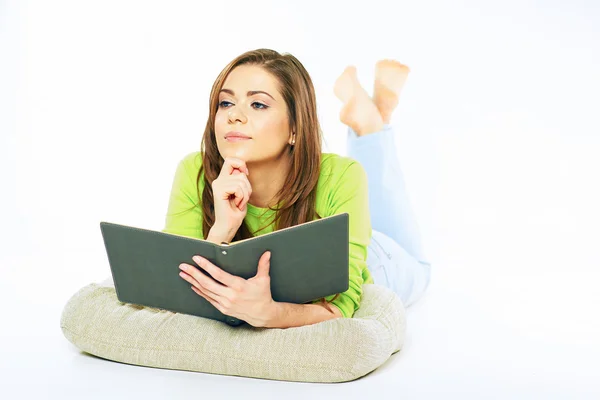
(289, 315)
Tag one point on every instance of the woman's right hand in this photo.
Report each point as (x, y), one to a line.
(231, 193)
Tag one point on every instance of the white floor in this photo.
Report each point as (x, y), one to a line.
(459, 344)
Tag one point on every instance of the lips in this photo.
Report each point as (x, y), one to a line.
(236, 135)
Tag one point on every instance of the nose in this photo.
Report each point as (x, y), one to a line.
(235, 114)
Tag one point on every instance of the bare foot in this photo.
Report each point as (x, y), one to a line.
(358, 112)
(390, 76)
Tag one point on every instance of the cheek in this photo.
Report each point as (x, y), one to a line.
(276, 128)
(220, 120)
(221, 127)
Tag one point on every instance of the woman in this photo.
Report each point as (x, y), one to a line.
(261, 169)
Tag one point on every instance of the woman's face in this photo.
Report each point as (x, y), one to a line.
(250, 104)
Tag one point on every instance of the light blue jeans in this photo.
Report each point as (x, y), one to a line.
(395, 255)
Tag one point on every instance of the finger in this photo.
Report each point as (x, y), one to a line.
(241, 171)
(246, 182)
(264, 264)
(242, 195)
(230, 164)
(234, 189)
(190, 279)
(207, 293)
(205, 282)
(247, 188)
(231, 281)
(215, 303)
(245, 197)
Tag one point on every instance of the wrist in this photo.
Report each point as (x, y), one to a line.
(218, 235)
(273, 315)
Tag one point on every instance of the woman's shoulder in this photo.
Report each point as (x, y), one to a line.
(335, 167)
(192, 161)
(342, 185)
(186, 174)
(340, 178)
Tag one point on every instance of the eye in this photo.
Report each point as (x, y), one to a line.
(263, 106)
(222, 104)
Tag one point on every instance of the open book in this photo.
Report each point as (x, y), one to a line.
(308, 261)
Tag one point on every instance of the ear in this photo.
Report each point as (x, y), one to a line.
(292, 140)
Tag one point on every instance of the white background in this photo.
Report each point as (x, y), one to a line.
(497, 132)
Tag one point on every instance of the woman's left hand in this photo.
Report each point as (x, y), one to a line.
(247, 299)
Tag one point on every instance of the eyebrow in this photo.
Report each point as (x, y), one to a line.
(250, 93)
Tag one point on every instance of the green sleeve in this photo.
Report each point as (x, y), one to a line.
(184, 214)
(350, 194)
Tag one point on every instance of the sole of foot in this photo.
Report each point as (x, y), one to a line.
(390, 76)
(358, 111)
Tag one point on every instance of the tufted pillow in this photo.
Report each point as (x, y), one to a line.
(337, 350)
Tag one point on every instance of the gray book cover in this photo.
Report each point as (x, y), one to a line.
(308, 261)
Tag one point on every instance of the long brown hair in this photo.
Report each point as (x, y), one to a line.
(297, 197)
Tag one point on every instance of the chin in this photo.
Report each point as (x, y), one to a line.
(242, 154)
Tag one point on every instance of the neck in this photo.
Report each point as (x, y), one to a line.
(267, 179)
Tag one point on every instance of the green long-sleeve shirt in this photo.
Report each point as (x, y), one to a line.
(342, 187)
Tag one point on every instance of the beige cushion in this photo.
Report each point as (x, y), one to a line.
(338, 350)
